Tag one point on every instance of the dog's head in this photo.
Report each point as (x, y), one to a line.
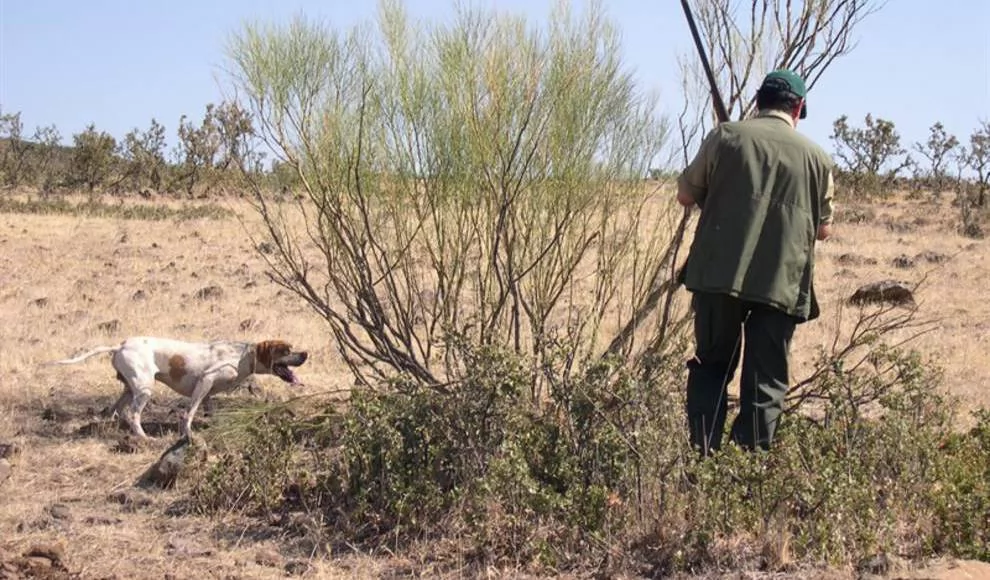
(275, 357)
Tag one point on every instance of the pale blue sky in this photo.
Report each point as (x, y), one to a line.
(118, 63)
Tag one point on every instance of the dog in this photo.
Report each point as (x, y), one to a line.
(196, 370)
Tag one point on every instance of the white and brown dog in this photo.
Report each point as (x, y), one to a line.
(196, 370)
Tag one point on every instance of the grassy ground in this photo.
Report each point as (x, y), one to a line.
(72, 282)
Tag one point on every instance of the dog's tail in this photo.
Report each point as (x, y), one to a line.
(84, 356)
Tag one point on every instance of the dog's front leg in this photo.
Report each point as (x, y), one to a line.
(202, 391)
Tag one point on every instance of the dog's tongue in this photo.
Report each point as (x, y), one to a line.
(286, 374)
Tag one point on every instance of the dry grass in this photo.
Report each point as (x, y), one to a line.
(64, 276)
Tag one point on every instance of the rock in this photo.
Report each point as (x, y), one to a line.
(139, 295)
(40, 302)
(5, 471)
(165, 472)
(885, 291)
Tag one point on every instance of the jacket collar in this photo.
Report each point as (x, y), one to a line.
(777, 115)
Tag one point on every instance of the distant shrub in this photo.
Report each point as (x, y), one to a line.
(94, 208)
(870, 158)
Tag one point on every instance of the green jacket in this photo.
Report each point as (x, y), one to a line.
(764, 189)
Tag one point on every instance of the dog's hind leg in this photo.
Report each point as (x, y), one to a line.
(123, 401)
(138, 401)
(132, 402)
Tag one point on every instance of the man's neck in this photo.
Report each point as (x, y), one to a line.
(778, 115)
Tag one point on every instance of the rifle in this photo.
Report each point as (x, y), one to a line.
(720, 112)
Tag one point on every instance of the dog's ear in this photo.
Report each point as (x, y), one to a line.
(267, 351)
(263, 353)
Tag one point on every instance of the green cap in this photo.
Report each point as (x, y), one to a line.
(789, 81)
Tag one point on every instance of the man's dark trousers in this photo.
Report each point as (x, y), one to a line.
(722, 324)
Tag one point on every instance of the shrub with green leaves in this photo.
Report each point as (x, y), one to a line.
(603, 469)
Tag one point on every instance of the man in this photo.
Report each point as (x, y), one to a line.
(765, 193)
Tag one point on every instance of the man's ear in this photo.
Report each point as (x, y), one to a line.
(798, 111)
